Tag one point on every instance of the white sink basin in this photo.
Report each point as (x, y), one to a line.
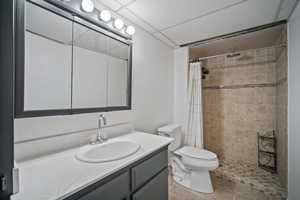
(108, 151)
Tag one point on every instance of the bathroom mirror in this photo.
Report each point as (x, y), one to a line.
(47, 67)
(69, 65)
(100, 64)
(118, 71)
(90, 63)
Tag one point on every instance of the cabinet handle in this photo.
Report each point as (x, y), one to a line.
(134, 177)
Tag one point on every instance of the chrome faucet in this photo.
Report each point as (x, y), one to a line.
(101, 122)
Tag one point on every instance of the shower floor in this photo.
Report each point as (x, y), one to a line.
(234, 182)
(254, 177)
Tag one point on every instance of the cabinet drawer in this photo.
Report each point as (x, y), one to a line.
(156, 189)
(147, 169)
(115, 189)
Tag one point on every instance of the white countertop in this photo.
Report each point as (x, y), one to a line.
(59, 175)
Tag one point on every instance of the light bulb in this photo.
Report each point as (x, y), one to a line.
(118, 23)
(105, 15)
(130, 30)
(87, 5)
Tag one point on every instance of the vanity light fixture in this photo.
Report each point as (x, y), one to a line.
(105, 15)
(119, 24)
(87, 5)
(130, 30)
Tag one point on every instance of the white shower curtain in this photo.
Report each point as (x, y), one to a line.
(194, 118)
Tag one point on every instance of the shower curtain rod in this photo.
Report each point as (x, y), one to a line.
(225, 54)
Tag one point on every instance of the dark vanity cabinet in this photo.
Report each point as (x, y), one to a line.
(117, 188)
(141, 173)
(156, 189)
(146, 179)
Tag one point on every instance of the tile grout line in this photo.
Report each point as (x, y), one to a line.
(124, 5)
(278, 10)
(150, 33)
(240, 86)
(150, 25)
(205, 14)
(154, 28)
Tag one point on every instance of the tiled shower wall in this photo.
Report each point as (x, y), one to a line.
(247, 104)
(244, 95)
(281, 110)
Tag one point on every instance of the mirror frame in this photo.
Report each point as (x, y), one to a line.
(75, 16)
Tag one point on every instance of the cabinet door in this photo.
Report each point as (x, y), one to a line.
(48, 53)
(115, 189)
(90, 63)
(149, 168)
(118, 73)
(156, 189)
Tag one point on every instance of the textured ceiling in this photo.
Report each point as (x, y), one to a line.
(177, 22)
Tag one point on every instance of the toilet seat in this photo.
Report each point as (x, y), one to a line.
(196, 153)
(196, 158)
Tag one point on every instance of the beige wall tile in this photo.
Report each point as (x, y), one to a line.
(232, 117)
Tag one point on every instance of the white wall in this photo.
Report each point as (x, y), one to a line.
(293, 104)
(180, 84)
(152, 82)
(152, 98)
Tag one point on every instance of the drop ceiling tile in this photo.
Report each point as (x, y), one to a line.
(164, 39)
(126, 2)
(245, 15)
(165, 13)
(136, 20)
(112, 4)
(286, 9)
(99, 5)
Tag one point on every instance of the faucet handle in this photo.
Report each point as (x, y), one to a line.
(104, 136)
(102, 116)
(93, 140)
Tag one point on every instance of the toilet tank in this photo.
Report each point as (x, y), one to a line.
(173, 131)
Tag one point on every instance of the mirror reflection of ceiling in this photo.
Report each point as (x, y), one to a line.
(89, 39)
(94, 41)
(259, 39)
(118, 49)
(59, 29)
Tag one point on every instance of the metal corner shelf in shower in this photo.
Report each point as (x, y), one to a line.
(267, 154)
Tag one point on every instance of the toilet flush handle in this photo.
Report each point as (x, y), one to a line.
(166, 134)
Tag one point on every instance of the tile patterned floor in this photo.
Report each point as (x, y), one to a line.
(234, 183)
(252, 176)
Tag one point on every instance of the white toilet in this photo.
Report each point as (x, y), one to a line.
(190, 165)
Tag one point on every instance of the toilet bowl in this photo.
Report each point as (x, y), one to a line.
(190, 165)
(197, 164)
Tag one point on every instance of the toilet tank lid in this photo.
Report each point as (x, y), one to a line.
(168, 128)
